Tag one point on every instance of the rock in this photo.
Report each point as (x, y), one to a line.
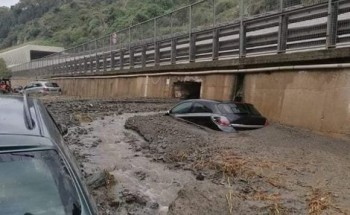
(154, 205)
(94, 144)
(140, 175)
(131, 198)
(200, 177)
(114, 204)
(98, 180)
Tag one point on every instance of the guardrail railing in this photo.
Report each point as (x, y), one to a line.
(205, 31)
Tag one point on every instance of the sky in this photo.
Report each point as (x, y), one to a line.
(8, 3)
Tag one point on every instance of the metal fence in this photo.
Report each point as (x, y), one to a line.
(206, 30)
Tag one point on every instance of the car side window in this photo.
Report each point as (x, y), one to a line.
(182, 108)
(200, 108)
(28, 86)
(38, 85)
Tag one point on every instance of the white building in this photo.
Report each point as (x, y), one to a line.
(24, 54)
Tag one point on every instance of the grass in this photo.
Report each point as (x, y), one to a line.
(178, 156)
(319, 202)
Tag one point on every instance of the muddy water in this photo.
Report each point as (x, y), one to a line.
(108, 146)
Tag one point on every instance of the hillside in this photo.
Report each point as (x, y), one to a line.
(71, 22)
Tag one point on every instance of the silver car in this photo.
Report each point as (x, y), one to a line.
(42, 88)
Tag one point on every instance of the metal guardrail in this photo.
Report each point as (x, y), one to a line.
(184, 36)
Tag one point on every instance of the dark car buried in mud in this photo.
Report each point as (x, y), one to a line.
(223, 116)
(38, 175)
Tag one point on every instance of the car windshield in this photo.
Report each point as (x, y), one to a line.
(36, 183)
(238, 109)
(50, 84)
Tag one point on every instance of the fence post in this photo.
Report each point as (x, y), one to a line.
(214, 13)
(332, 23)
(282, 30)
(242, 31)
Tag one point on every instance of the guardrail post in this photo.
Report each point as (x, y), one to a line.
(242, 31)
(91, 64)
(332, 23)
(216, 44)
(143, 56)
(97, 59)
(112, 60)
(173, 51)
(156, 54)
(193, 47)
(131, 57)
(121, 59)
(242, 40)
(85, 65)
(282, 34)
(104, 62)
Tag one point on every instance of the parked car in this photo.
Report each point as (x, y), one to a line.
(42, 88)
(17, 89)
(38, 174)
(223, 116)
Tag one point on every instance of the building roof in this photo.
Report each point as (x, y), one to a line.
(22, 54)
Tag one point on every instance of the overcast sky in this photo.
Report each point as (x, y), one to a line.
(8, 3)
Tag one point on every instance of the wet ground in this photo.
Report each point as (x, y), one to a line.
(142, 162)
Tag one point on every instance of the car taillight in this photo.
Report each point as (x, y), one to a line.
(223, 121)
(266, 123)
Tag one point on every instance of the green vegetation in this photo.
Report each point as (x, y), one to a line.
(4, 71)
(71, 22)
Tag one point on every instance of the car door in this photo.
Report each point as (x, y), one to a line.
(37, 87)
(182, 110)
(28, 88)
(54, 131)
(201, 114)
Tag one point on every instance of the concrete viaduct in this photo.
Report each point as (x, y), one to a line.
(293, 65)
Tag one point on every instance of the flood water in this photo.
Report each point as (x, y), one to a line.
(132, 170)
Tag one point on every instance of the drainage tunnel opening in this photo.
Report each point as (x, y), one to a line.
(187, 90)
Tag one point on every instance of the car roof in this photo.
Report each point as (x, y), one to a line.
(202, 100)
(13, 118)
(15, 134)
(213, 101)
(22, 142)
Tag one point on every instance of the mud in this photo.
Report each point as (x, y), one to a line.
(159, 165)
(274, 170)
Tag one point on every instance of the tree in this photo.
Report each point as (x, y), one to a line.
(4, 71)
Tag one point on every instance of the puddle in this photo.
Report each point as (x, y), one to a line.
(107, 146)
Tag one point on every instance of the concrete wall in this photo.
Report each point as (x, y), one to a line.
(316, 100)
(213, 86)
